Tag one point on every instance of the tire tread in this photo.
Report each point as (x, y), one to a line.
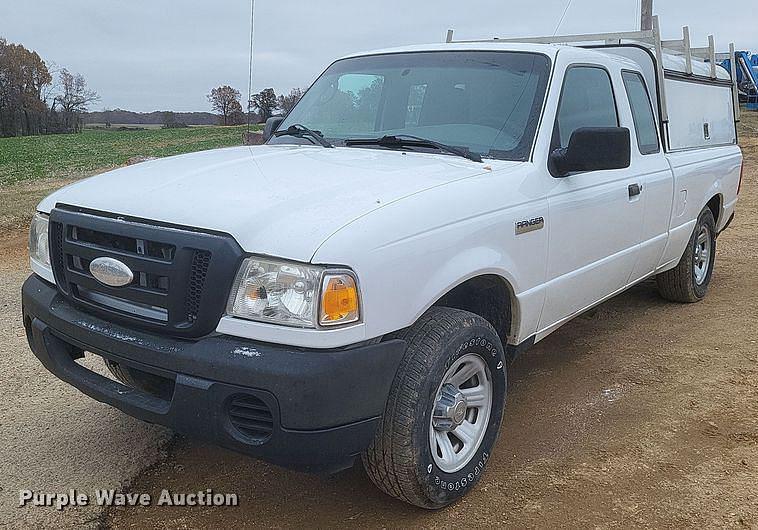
(678, 284)
(390, 461)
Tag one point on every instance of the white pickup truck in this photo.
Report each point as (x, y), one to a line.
(357, 286)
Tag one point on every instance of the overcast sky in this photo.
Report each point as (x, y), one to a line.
(147, 55)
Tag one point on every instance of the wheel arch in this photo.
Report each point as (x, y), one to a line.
(491, 296)
(716, 205)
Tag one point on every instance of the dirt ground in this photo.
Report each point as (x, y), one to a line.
(51, 437)
(639, 413)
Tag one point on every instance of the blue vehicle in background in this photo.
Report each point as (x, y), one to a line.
(747, 77)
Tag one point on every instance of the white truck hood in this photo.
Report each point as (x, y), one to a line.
(282, 201)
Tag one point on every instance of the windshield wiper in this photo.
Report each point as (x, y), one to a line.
(407, 140)
(299, 131)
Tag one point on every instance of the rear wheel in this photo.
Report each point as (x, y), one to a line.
(444, 410)
(688, 282)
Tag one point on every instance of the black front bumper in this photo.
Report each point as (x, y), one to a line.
(324, 405)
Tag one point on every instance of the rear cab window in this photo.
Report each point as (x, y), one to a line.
(642, 113)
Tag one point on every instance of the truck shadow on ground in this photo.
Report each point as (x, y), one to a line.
(557, 391)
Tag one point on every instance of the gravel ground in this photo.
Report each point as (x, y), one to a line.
(52, 438)
(639, 413)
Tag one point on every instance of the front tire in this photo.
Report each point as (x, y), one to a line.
(443, 414)
(688, 282)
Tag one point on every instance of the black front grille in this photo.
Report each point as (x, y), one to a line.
(56, 243)
(121, 243)
(200, 262)
(251, 417)
(181, 280)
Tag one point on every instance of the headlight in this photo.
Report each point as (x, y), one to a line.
(293, 294)
(39, 250)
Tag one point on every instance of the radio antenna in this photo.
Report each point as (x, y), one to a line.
(250, 76)
(563, 17)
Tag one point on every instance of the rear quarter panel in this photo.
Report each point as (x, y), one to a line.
(700, 175)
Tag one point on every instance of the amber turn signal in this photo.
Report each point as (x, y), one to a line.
(339, 300)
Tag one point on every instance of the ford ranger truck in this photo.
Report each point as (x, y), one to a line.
(356, 287)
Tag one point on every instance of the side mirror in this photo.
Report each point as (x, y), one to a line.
(272, 124)
(593, 149)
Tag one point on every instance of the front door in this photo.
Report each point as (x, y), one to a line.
(594, 217)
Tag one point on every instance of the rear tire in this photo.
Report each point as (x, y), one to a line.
(432, 398)
(688, 282)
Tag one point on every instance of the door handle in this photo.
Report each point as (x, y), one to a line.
(634, 190)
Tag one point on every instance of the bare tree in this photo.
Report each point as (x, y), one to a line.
(49, 90)
(288, 102)
(236, 116)
(266, 102)
(225, 100)
(74, 99)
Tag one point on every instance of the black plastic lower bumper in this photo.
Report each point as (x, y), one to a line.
(324, 405)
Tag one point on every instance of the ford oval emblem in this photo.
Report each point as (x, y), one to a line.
(111, 272)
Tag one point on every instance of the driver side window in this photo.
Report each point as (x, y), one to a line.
(587, 101)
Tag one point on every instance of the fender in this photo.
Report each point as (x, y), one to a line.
(472, 263)
(409, 254)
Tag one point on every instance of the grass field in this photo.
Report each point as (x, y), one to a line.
(72, 155)
(31, 167)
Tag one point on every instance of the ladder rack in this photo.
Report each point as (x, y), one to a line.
(650, 38)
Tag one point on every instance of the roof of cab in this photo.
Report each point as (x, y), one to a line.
(547, 49)
(670, 62)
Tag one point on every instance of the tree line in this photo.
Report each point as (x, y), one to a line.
(119, 116)
(226, 102)
(39, 99)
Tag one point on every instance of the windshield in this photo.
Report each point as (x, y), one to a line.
(486, 102)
